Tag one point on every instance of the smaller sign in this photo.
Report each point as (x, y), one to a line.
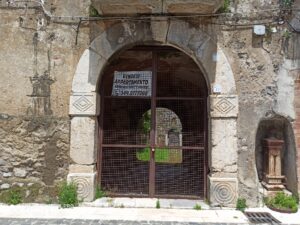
(217, 88)
(132, 83)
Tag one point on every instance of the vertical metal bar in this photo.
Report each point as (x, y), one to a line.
(205, 118)
(153, 126)
(100, 149)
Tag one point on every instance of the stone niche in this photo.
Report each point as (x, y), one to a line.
(276, 155)
(130, 7)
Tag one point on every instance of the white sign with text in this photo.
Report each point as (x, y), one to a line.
(132, 83)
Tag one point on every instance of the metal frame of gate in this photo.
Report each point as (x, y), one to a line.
(152, 164)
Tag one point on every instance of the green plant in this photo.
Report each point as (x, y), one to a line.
(99, 193)
(14, 197)
(197, 207)
(286, 3)
(282, 201)
(287, 34)
(93, 12)
(157, 204)
(67, 195)
(225, 7)
(241, 204)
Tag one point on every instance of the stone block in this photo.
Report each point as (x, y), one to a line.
(87, 71)
(159, 29)
(81, 169)
(223, 72)
(223, 191)
(191, 6)
(127, 7)
(20, 172)
(134, 7)
(224, 146)
(85, 104)
(86, 184)
(83, 140)
(194, 42)
(120, 35)
(8, 174)
(4, 186)
(3, 162)
(224, 106)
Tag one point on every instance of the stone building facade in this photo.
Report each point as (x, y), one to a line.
(54, 54)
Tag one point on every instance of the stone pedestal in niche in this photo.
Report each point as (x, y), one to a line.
(273, 179)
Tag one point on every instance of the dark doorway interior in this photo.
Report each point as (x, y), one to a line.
(153, 144)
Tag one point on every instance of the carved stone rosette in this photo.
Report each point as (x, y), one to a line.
(223, 191)
(85, 183)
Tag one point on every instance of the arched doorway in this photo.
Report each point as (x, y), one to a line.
(153, 125)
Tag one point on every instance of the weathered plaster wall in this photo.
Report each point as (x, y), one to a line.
(265, 88)
(37, 59)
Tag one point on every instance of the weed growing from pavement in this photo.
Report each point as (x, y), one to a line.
(14, 197)
(99, 193)
(67, 195)
(157, 204)
(197, 207)
(241, 204)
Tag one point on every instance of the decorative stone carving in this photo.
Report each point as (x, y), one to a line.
(85, 183)
(223, 191)
(84, 104)
(223, 106)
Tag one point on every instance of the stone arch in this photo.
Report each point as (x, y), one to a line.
(194, 42)
(84, 102)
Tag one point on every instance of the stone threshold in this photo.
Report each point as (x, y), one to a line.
(146, 203)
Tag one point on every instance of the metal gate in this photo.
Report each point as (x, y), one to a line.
(154, 145)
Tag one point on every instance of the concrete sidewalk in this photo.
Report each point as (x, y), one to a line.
(95, 215)
(121, 214)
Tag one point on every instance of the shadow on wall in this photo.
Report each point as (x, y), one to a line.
(280, 128)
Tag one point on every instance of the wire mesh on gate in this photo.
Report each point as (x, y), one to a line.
(178, 137)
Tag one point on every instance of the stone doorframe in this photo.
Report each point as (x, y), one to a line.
(223, 106)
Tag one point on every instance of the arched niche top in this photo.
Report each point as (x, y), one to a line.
(176, 33)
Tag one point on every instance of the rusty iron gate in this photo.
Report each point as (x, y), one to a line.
(154, 146)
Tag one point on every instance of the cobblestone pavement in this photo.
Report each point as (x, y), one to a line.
(10, 221)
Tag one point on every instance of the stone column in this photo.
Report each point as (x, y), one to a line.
(84, 109)
(223, 183)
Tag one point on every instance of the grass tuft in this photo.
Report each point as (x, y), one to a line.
(67, 195)
(241, 204)
(282, 201)
(197, 207)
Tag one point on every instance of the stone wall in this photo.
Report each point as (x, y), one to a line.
(38, 58)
